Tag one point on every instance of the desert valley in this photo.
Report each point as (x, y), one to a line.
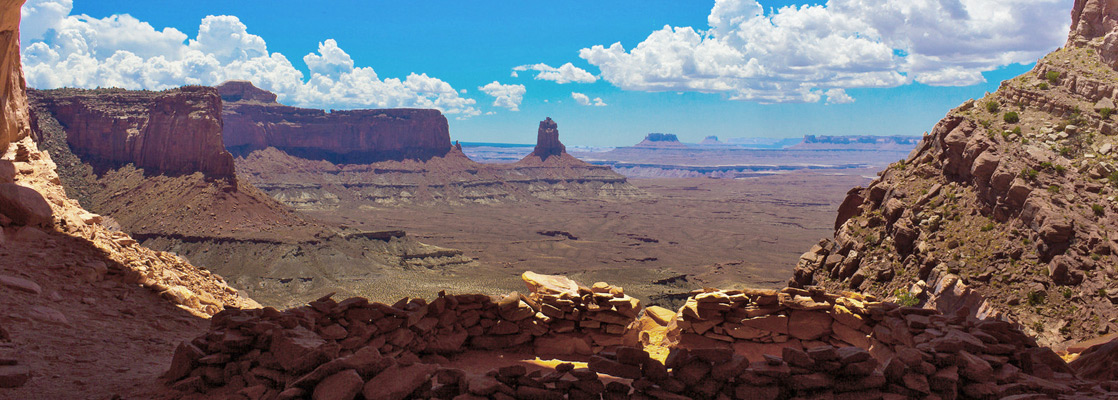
(216, 239)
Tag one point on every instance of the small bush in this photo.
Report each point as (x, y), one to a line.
(1011, 117)
(1053, 77)
(906, 299)
(1066, 151)
(1045, 165)
(1098, 209)
(1053, 189)
(1043, 86)
(988, 227)
(1017, 130)
(1113, 178)
(1060, 169)
(1105, 112)
(1036, 298)
(1067, 293)
(992, 106)
(1029, 173)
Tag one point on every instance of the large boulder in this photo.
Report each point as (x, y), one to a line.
(24, 206)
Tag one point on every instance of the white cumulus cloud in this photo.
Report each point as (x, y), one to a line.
(507, 96)
(838, 96)
(566, 73)
(799, 54)
(585, 100)
(64, 50)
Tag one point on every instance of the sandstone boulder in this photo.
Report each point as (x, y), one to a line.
(24, 206)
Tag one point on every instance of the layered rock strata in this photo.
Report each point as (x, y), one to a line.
(452, 178)
(255, 121)
(173, 132)
(1006, 207)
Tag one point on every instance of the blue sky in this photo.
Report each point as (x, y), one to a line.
(732, 68)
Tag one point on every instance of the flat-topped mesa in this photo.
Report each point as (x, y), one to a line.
(547, 140)
(14, 121)
(1094, 24)
(254, 121)
(173, 132)
(661, 140)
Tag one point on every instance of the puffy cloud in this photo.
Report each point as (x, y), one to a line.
(63, 50)
(566, 73)
(798, 54)
(838, 96)
(507, 96)
(583, 99)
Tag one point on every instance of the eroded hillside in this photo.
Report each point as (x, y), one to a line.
(1007, 208)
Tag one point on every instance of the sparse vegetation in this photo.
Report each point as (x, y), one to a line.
(1036, 298)
(906, 299)
(1067, 293)
(1098, 209)
(1043, 86)
(1011, 117)
(1029, 173)
(1060, 169)
(1105, 112)
(988, 227)
(1053, 189)
(1113, 178)
(992, 106)
(1053, 77)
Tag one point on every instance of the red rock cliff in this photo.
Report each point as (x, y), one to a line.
(172, 132)
(1094, 24)
(13, 101)
(547, 140)
(254, 121)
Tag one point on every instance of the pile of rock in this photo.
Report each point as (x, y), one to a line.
(582, 320)
(850, 342)
(267, 347)
(755, 321)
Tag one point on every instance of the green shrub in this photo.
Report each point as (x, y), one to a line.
(1043, 86)
(1053, 189)
(1067, 293)
(1113, 178)
(1045, 165)
(1017, 130)
(1105, 112)
(1098, 209)
(1029, 173)
(1060, 169)
(1036, 298)
(988, 227)
(906, 299)
(1011, 117)
(1053, 77)
(992, 106)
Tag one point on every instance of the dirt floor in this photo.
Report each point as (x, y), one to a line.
(687, 233)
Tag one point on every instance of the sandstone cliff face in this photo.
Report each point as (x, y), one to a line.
(174, 132)
(547, 140)
(1007, 208)
(253, 121)
(307, 183)
(14, 121)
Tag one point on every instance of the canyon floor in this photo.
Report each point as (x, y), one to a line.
(686, 233)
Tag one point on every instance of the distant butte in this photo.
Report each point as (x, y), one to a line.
(661, 140)
(547, 140)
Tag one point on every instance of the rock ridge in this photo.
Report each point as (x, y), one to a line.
(254, 121)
